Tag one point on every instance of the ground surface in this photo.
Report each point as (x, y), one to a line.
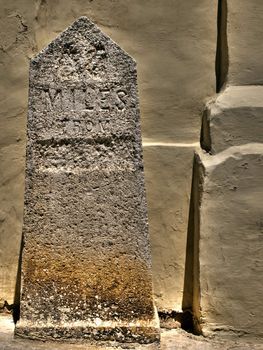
(175, 339)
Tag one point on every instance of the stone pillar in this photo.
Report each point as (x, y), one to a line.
(86, 270)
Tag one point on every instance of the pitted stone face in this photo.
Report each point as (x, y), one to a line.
(86, 260)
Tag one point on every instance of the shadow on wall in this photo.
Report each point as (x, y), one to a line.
(191, 293)
(16, 310)
(15, 307)
(222, 59)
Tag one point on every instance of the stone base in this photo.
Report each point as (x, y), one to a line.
(143, 332)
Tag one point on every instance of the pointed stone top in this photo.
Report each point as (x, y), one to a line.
(82, 52)
(85, 28)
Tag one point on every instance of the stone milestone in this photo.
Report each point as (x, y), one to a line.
(86, 266)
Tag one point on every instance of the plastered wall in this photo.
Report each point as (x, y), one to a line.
(244, 41)
(228, 286)
(174, 44)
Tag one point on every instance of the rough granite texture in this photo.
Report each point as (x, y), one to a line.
(86, 270)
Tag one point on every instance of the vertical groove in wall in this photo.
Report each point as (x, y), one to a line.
(191, 294)
(205, 136)
(222, 60)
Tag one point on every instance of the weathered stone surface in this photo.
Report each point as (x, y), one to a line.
(86, 260)
(233, 119)
(230, 242)
(174, 44)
